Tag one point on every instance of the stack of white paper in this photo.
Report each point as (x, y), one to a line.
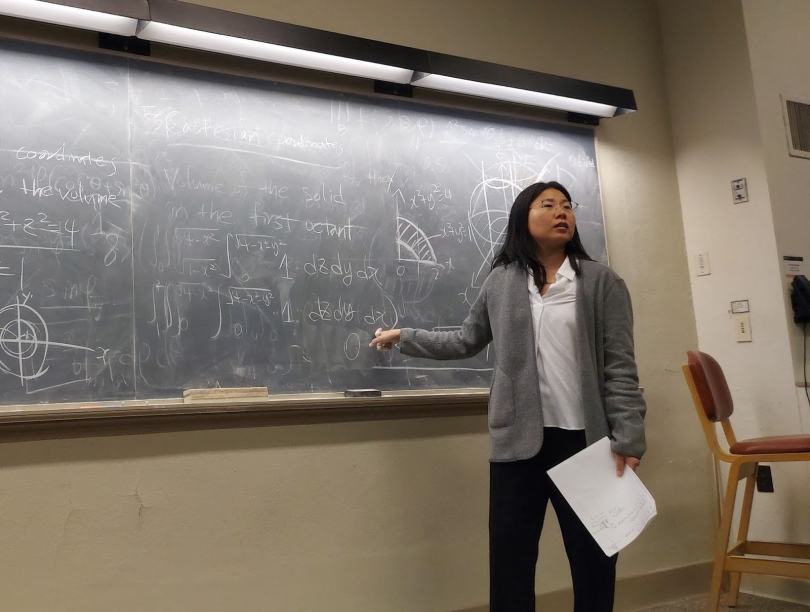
(614, 509)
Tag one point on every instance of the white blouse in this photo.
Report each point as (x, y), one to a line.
(554, 318)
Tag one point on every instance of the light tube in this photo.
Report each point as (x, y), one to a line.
(69, 16)
(512, 94)
(253, 49)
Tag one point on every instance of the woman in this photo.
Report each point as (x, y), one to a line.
(565, 376)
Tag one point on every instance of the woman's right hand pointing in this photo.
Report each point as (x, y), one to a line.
(385, 340)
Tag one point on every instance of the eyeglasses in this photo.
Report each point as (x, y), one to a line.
(564, 204)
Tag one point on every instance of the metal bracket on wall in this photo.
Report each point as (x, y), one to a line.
(583, 119)
(124, 44)
(393, 89)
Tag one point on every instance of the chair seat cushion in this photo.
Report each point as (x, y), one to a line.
(772, 444)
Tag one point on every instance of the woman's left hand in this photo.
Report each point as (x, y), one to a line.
(622, 461)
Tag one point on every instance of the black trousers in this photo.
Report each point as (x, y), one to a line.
(518, 495)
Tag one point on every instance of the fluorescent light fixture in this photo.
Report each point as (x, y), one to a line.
(512, 94)
(185, 24)
(69, 16)
(191, 25)
(242, 47)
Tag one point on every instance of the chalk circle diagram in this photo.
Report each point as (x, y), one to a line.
(23, 342)
(408, 267)
(492, 198)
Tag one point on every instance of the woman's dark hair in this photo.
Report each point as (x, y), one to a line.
(519, 247)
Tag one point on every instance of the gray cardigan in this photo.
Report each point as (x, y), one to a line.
(611, 397)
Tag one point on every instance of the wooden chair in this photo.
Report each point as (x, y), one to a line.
(713, 402)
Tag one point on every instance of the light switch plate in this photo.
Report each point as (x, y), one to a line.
(739, 190)
(702, 261)
(742, 328)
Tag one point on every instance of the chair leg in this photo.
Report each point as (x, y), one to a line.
(721, 547)
(733, 589)
(742, 534)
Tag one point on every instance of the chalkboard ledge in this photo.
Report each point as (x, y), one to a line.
(71, 420)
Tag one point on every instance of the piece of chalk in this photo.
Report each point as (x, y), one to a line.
(362, 393)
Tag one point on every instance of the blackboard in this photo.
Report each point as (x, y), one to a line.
(164, 229)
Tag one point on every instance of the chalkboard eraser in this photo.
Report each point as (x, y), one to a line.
(362, 393)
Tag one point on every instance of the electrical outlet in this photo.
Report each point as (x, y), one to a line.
(764, 479)
(702, 260)
(742, 328)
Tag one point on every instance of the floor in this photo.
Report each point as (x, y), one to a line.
(747, 603)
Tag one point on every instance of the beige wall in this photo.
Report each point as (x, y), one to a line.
(379, 516)
(716, 138)
(726, 63)
(779, 50)
(780, 53)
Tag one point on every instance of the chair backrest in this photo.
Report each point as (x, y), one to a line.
(711, 386)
